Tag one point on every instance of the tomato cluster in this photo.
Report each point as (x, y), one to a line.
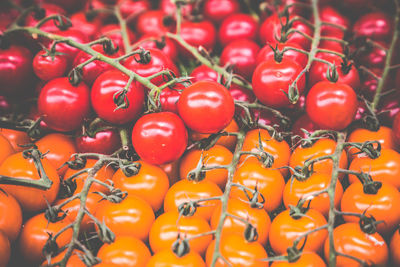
(199, 133)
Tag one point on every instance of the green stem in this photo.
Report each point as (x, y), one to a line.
(124, 29)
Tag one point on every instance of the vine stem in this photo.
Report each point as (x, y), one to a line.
(389, 55)
(124, 30)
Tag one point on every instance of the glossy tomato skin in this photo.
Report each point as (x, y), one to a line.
(49, 67)
(5, 249)
(74, 34)
(89, 26)
(166, 45)
(332, 15)
(331, 105)
(152, 22)
(10, 225)
(237, 27)
(271, 78)
(218, 10)
(198, 34)
(350, 239)
(374, 25)
(204, 100)
(6, 148)
(307, 259)
(202, 73)
(169, 258)
(169, 97)
(266, 53)
(159, 138)
(15, 69)
(64, 106)
(304, 122)
(103, 90)
(114, 32)
(103, 142)
(395, 247)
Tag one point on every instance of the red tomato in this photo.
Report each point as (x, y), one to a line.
(202, 73)
(10, 225)
(206, 107)
(152, 22)
(102, 142)
(375, 25)
(271, 79)
(197, 34)
(331, 105)
(166, 45)
(64, 106)
(103, 90)
(266, 53)
(75, 35)
(49, 67)
(159, 138)
(237, 27)
(49, 9)
(304, 122)
(331, 15)
(88, 25)
(113, 31)
(218, 10)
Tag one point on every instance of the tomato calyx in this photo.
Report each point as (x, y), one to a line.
(75, 76)
(188, 208)
(332, 74)
(130, 169)
(250, 233)
(67, 188)
(50, 248)
(52, 214)
(372, 149)
(368, 223)
(370, 186)
(181, 246)
(77, 163)
(299, 211)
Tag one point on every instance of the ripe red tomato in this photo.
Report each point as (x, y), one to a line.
(152, 22)
(271, 79)
(331, 15)
(266, 53)
(114, 32)
(49, 9)
(87, 24)
(103, 90)
(218, 10)
(103, 142)
(375, 25)
(166, 45)
(237, 27)
(10, 225)
(206, 107)
(64, 106)
(202, 73)
(49, 67)
(331, 105)
(159, 138)
(197, 34)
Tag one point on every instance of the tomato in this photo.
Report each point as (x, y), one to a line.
(152, 22)
(31, 199)
(331, 105)
(218, 10)
(104, 174)
(70, 51)
(197, 34)
(131, 217)
(168, 258)
(36, 231)
(169, 8)
(357, 199)
(385, 168)
(148, 180)
(130, 9)
(285, 229)
(172, 171)
(204, 72)
(269, 182)
(5, 249)
(389, 108)
(375, 25)
(64, 106)
(374, 57)
(384, 136)
(49, 9)
(216, 156)
(103, 90)
(73, 261)
(103, 142)
(169, 226)
(237, 27)
(166, 45)
(15, 70)
(396, 129)
(159, 138)
(57, 154)
(347, 75)
(280, 150)
(185, 191)
(114, 32)
(258, 218)
(267, 53)
(330, 14)
(87, 24)
(125, 251)
(351, 240)
(206, 107)
(242, 55)
(91, 71)
(49, 67)
(271, 79)
(10, 225)
(6, 148)
(296, 189)
(304, 122)
(169, 97)
(307, 258)
(5, 105)
(15, 138)
(395, 248)
(238, 252)
(320, 148)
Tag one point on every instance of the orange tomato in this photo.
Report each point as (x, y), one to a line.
(148, 180)
(321, 147)
(258, 218)
(269, 182)
(296, 190)
(185, 191)
(238, 252)
(131, 217)
(395, 248)
(125, 251)
(5, 249)
(385, 168)
(73, 261)
(285, 229)
(307, 259)
(280, 150)
(60, 147)
(216, 156)
(351, 240)
(30, 199)
(6, 148)
(16, 138)
(11, 219)
(167, 258)
(166, 229)
(35, 233)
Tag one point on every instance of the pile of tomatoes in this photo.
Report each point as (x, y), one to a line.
(199, 133)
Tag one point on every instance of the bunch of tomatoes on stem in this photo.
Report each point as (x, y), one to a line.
(199, 133)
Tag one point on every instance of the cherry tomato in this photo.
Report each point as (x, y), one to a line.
(170, 225)
(330, 14)
(169, 97)
(16, 138)
(307, 258)
(130, 9)
(237, 27)
(70, 51)
(10, 225)
(331, 105)
(153, 22)
(166, 45)
(49, 67)
(35, 232)
(169, 8)
(202, 73)
(285, 229)
(172, 171)
(206, 107)
(271, 79)
(218, 10)
(143, 184)
(6, 148)
(105, 87)
(396, 129)
(395, 248)
(131, 217)
(159, 138)
(31, 199)
(5, 249)
(125, 251)
(304, 122)
(64, 106)
(168, 258)
(87, 24)
(48, 9)
(267, 53)
(73, 261)
(349, 239)
(375, 25)
(103, 142)
(197, 34)
(114, 32)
